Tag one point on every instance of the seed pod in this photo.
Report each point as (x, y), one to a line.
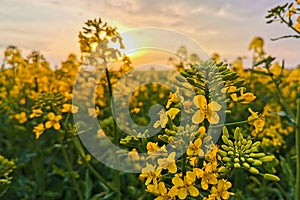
(222, 153)
(256, 144)
(271, 177)
(253, 170)
(226, 159)
(257, 162)
(246, 165)
(225, 132)
(267, 158)
(236, 165)
(257, 155)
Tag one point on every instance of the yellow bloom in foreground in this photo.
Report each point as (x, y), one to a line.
(159, 190)
(36, 113)
(184, 187)
(150, 173)
(220, 191)
(39, 130)
(256, 121)
(21, 117)
(168, 163)
(195, 148)
(207, 175)
(53, 121)
(208, 111)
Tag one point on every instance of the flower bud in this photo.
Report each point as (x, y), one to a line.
(271, 177)
(253, 170)
(256, 144)
(225, 147)
(222, 153)
(236, 165)
(257, 155)
(226, 159)
(246, 165)
(225, 132)
(267, 158)
(257, 162)
(225, 139)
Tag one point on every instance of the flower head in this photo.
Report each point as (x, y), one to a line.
(185, 187)
(53, 121)
(208, 111)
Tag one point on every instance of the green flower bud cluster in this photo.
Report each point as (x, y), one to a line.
(48, 100)
(244, 153)
(211, 76)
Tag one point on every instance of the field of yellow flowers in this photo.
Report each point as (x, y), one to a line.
(221, 131)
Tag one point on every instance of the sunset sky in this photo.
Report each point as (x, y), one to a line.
(222, 26)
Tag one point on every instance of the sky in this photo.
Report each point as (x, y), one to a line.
(225, 27)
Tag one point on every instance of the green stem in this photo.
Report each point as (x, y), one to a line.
(233, 123)
(82, 155)
(116, 178)
(70, 169)
(297, 189)
(89, 166)
(281, 97)
(183, 164)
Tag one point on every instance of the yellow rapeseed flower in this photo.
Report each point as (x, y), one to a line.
(39, 130)
(36, 113)
(205, 110)
(150, 173)
(206, 174)
(255, 120)
(159, 190)
(53, 121)
(185, 187)
(69, 108)
(168, 163)
(247, 97)
(195, 148)
(21, 117)
(220, 191)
